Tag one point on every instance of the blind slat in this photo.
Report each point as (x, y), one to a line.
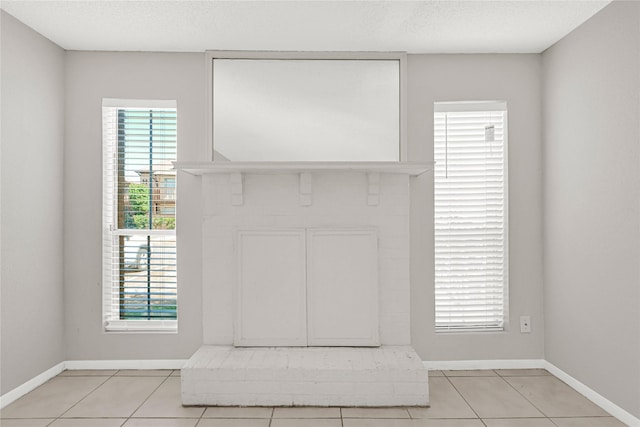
(470, 218)
(139, 244)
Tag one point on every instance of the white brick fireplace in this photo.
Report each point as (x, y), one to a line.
(306, 296)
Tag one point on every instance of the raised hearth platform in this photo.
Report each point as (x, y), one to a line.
(305, 376)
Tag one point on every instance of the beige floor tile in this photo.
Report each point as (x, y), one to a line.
(88, 373)
(447, 423)
(236, 422)
(53, 398)
(588, 422)
(554, 398)
(306, 422)
(237, 412)
(161, 422)
(89, 422)
(41, 422)
(445, 402)
(375, 413)
(519, 422)
(306, 413)
(117, 397)
(492, 397)
(471, 373)
(372, 422)
(436, 373)
(166, 402)
(144, 372)
(522, 372)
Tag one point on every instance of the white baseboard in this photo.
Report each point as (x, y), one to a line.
(21, 390)
(37, 381)
(587, 392)
(590, 394)
(596, 398)
(74, 365)
(457, 365)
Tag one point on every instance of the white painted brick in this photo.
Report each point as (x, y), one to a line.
(273, 201)
(397, 278)
(409, 389)
(394, 329)
(394, 264)
(374, 388)
(261, 374)
(394, 189)
(396, 301)
(400, 251)
(383, 376)
(317, 388)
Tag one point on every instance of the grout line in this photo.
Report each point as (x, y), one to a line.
(201, 415)
(272, 413)
(145, 400)
(82, 398)
(463, 398)
(525, 397)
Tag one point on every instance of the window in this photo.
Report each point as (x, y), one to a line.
(302, 106)
(139, 236)
(470, 211)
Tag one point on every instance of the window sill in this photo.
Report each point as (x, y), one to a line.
(142, 326)
(460, 331)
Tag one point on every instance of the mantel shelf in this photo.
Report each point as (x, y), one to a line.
(204, 168)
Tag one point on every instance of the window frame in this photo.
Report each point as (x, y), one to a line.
(483, 106)
(401, 57)
(110, 231)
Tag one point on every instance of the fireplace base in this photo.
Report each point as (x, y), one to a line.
(305, 376)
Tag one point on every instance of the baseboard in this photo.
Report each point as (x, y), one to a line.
(74, 365)
(456, 365)
(593, 396)
(587, 392)
(21, 390)
(37, 381)
(590, 394)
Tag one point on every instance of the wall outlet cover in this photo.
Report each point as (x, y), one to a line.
(525, 324)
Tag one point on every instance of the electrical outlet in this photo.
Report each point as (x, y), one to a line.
(525, 324)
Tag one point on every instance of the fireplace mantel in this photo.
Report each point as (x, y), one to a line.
(204, 168)
(305, 170)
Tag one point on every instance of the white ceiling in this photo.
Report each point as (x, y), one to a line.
(478, 26)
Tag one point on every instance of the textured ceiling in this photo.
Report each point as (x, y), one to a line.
(478, 26)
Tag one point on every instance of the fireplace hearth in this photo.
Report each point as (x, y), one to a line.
(306, 293)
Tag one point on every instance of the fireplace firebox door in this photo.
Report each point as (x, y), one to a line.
(307, 287)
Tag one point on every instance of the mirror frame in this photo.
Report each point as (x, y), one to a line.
(210, 55)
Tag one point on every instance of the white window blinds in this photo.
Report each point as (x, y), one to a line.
(139, 206)
(470, 213)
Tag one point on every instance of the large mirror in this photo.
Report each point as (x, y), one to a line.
(306, 109)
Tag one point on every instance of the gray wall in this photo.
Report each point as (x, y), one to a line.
(90, 77)
(591, 200)
(517, 80)
(32, 170)
(591, 204)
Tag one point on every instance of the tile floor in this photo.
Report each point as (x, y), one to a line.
(500, 398)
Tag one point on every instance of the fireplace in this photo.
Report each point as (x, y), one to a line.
(306, 296)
